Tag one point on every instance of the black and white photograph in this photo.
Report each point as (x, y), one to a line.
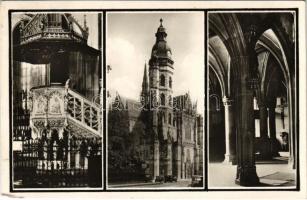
(155, 100)
(56, 106)
(252, 99)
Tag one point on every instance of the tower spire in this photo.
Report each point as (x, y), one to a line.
(161, 32)
(145, 85)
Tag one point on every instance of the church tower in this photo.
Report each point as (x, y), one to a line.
(160, 87)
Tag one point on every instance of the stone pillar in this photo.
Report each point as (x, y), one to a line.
(85, 162)
(178, 161)
(230, 138)
(169, 158)
(196, 161)
(77, 157)
(183, 163)
(272, 127)
(77, 160)
(272, 122)
(263, 121)
(156, 159)
(264, 142)
(68, 158)
(245, 123)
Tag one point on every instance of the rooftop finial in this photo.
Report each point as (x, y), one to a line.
(84, 16)
(161, 20)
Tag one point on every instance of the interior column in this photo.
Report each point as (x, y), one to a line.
(272, 126)
(230, 139)
(264, 143)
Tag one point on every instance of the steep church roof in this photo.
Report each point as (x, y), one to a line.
(132, 106)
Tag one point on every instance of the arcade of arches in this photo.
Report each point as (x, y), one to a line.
(252, 88)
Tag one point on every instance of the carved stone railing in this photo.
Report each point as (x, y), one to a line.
(83, 110)
(57, 108)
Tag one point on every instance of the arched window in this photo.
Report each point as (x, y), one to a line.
(162, 80)
(170, 82)
(188, 132)
(170, 100)
(162, 96)
(170, 118)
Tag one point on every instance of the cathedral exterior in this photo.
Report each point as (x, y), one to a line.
(159, 135)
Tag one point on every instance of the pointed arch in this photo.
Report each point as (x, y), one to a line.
(162, 80)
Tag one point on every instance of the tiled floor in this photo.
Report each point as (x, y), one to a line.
(223, 176)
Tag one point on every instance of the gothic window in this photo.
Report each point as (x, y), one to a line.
(188, 132)
(170, 100)
(170, 82)
(188, 155)
(170, 118)
(162, 99)
(162, 80)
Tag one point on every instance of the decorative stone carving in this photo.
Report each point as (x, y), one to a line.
(30, 101)
(56, 102)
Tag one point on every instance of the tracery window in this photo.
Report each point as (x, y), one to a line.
(162, 80)
(162, 96)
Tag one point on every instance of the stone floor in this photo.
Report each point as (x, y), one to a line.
(183, 183)
(222, 175)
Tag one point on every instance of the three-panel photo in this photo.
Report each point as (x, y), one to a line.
(159, 100)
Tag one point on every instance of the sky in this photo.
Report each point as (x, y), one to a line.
(130, 38)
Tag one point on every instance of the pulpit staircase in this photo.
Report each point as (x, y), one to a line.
(59, 108)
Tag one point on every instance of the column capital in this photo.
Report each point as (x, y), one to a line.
(227, 101)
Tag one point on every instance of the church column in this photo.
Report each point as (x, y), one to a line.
(196, 161)
(156, 158)
(265, 149)
(244, 63)
(272, 122)
(263, 121)
(68, 152)
(178, 160)
(183, 163)
(246, 169)
(230, 138)
(169, 157)
(77, 155)
(272, 127)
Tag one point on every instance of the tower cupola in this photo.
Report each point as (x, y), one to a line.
(161, 50)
